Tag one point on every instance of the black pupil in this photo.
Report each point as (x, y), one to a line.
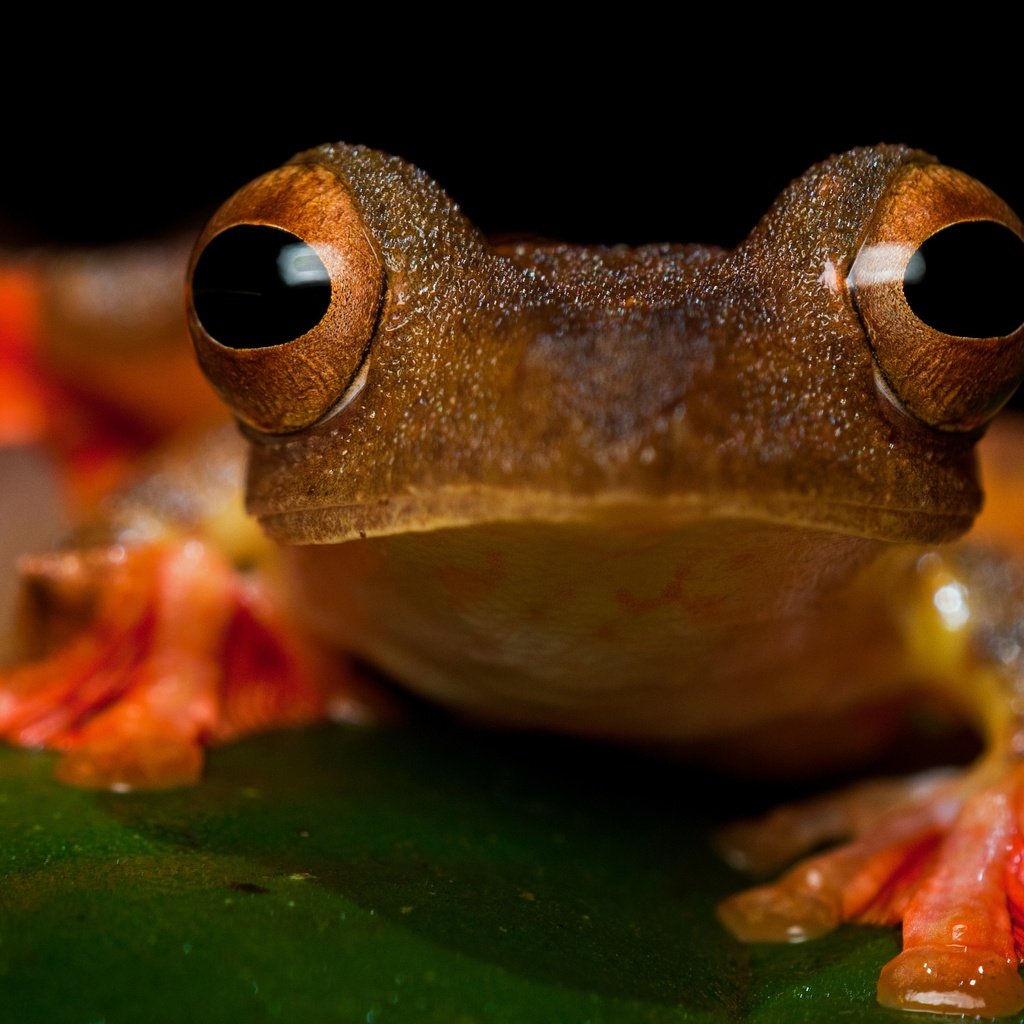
(967, 280)
(255, 286)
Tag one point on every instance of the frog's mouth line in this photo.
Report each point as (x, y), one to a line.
(467, 507)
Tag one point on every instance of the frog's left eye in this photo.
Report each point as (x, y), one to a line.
(939, 283)
(285, 287)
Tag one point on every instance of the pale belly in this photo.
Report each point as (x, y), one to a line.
(682, 634)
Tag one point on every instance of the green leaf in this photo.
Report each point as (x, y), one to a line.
(417, 874)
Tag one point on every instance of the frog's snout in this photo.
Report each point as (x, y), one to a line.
(284, 292)
(939, 285)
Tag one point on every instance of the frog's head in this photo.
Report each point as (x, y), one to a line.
(396, 372)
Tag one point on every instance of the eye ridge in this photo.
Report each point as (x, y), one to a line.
(967, 280)
(257, 286)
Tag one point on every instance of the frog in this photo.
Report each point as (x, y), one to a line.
(670, 494)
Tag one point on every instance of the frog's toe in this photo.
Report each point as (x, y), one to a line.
(963, 924)
(767, 844)
(153, 653)
(149, 759)
(795, 909)
(867, 879)
(948, 864)
(944, 979)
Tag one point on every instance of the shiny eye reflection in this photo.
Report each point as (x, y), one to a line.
(967, 280)
(255, 286)
(914, 274)
(300, 267)
(880, 263)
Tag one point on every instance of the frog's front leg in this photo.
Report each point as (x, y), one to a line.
(147, 641)
(942, 853)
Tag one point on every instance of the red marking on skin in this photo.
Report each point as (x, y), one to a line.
(26, 402)
(743, 560)
(267, 675)
(1015, 894)
(95, 442)
(169, 651)
(466, 585)
(888, 904)
(706, 608)
(671, 593)
(93, 439)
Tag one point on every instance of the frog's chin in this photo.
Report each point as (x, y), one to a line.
(625, 514)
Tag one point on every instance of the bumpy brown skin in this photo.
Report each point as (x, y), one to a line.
(530, 382)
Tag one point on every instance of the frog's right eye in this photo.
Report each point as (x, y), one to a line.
(967, 280)
(285, 288)
(939, 285)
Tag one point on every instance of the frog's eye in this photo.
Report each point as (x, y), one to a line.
(284, 293)
(939, 284)
(256, 286)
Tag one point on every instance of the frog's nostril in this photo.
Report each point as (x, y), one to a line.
(256, 286)
(966, 280)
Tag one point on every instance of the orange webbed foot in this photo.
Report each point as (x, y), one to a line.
(148, 654)
(945, 857)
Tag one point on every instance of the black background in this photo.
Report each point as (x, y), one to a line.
(616, 130)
